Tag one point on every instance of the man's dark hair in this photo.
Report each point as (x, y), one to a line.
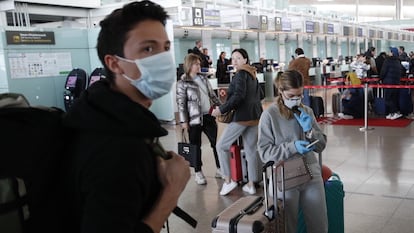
(244, 54)
(299, 51)
(115, 27)
(402, 48)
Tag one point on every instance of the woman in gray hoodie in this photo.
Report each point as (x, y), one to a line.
(285, 130)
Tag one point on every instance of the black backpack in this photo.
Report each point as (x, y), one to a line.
(32, 145)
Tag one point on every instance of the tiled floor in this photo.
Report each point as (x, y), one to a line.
(376, 167)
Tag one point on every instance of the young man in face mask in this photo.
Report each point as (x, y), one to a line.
(116, 178)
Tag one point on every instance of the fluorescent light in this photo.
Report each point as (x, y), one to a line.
(325, 0)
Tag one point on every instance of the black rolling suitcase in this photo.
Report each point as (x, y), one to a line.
(317, 106)
(249, 214)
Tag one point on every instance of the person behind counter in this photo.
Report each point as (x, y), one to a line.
(221, 73)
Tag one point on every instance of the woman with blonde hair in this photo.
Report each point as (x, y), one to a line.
(195, 96)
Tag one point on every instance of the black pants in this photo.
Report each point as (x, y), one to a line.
(209, 127)
(392, 98)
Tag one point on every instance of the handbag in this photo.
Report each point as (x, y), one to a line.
(296, 172)
(188, 151)
(226, 117)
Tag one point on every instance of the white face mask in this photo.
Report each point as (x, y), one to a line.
(157, 74)
(292, 102)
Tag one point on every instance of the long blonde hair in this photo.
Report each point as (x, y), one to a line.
(290, 79)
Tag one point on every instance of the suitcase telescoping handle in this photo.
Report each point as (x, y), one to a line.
(269, 211)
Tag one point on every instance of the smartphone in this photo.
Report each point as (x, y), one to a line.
(295, 109)
(312, 143)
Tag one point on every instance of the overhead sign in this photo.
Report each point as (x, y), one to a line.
(30, 37)
(372, 33)
(309, 27)
(263, 22)
(212, 18)
(283, 24)
(359, 32)
(252, 21)
(198, 16)
(328, 28)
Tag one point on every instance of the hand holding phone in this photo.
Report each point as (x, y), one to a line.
(312, 143)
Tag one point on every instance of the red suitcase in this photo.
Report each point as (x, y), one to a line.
(236, 171)
(238, 163)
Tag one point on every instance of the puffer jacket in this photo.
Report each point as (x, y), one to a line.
(391, 71)
(189, 100)
(244, 96)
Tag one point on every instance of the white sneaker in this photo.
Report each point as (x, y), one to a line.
(218, 175)
(249, 189)
(410, 116)
(395, 115)
(346, 117)
(200, 178)
(388, 116)
(227, 187)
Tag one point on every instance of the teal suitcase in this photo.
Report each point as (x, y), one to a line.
(334, 192)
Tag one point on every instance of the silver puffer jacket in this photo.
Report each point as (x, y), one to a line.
(189, 100)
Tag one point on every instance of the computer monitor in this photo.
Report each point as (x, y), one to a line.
(71, 82)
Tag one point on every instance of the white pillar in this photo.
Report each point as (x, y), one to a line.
(262, 44)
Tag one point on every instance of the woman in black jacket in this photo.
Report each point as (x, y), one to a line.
(243, 96)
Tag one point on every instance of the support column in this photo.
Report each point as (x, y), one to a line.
(262, 44)
(398, 9)
(206, 38)
(235, 40)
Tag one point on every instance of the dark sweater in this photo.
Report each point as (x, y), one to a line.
(112, 179)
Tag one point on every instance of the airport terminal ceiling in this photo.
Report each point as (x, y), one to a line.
(383, 8)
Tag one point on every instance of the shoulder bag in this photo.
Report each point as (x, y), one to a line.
(187, 150)
(226, 117)
(296, 172)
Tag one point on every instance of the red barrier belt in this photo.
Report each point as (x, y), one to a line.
(359, 86)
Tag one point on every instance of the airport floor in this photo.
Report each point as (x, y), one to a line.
(376, 167)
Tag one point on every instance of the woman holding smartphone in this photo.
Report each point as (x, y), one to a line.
(286, 130)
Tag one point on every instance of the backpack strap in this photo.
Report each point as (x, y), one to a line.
(185, 216)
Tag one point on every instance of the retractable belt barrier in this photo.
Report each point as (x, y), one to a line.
(366, 84)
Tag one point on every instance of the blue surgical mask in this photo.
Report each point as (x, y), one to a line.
(157, 74)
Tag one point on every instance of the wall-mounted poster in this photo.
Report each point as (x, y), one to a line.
(32, 65)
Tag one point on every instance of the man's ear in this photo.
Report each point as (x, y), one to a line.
(112, 63)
